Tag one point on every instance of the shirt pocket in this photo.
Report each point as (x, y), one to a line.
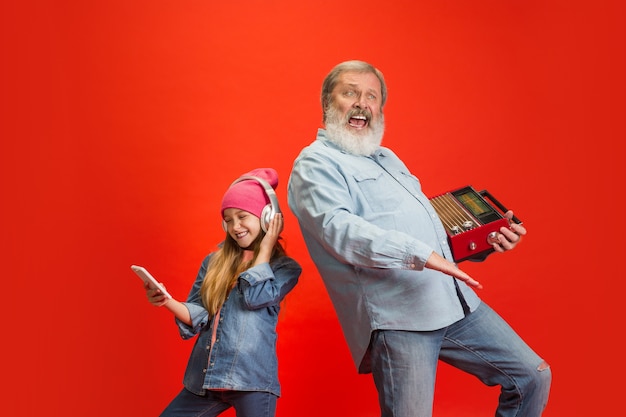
(381, 192)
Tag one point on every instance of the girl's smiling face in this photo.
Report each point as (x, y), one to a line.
(244, 227)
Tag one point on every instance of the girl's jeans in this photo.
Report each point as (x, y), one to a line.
(246, 403)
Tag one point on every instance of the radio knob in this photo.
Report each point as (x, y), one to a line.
(472, 246)
(492, 238)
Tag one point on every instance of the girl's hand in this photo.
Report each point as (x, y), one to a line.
(155, 296)
(271, 237)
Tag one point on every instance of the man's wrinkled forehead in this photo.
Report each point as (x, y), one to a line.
(359, 80)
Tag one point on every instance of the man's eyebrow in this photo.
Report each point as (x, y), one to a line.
(356, 85)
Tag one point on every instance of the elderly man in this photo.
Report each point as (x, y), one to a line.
(384, 257)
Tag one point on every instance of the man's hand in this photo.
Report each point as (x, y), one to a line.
(439, 263)
(509, 237)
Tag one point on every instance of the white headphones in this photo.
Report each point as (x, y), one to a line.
(270, 210)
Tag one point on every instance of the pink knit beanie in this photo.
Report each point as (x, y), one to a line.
(249, 195)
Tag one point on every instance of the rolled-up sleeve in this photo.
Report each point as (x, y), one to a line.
(199, 315)
(264, 284)
(199, 319)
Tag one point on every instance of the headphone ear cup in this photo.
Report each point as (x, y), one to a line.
(266, 217)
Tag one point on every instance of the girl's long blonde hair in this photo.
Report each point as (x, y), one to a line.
(224, 268)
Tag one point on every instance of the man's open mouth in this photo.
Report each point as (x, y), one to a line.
(358, 121)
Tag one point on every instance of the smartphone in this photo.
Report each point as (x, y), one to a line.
(149, 279)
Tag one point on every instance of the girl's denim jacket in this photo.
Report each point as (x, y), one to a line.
(243, 356)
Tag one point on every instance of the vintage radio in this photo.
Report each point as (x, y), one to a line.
(471, 222)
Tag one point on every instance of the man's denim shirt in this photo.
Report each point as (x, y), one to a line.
(243, 356)
(370, 229)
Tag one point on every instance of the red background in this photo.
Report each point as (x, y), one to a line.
(123, 122)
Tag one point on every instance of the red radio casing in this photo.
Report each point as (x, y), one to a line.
(470, 221)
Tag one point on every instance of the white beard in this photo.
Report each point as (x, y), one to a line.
(357, 144)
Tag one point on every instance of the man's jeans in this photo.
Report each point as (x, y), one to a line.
(404, 364)
(247, 404)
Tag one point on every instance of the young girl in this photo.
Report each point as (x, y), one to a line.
(233, 307)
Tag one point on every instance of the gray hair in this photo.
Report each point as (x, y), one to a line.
(355, 66)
